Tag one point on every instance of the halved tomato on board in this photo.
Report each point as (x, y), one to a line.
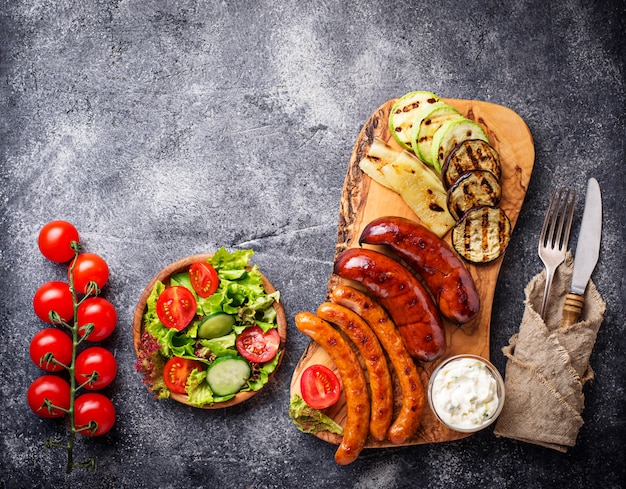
(176, 307)
(176, 372)
(256, 346)
(204, 278)
(319, 387)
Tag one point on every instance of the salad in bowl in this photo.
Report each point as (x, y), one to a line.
(209, 330)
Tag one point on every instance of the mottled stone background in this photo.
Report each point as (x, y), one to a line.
(163, 129)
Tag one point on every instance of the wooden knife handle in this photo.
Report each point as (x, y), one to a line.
(572, 309)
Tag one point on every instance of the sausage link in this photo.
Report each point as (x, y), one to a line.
(381, 388)
(357, 398)
(410, 415)
(403, 296)
(432, 258)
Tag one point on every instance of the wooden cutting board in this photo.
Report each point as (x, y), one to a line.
(364, 200)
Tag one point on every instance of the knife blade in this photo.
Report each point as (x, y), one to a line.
(587, 252)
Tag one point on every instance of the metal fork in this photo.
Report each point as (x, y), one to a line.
(553, 245)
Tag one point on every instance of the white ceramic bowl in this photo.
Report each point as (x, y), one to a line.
(466, 393)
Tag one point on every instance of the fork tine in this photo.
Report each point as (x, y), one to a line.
(547, 221)
(570, 216)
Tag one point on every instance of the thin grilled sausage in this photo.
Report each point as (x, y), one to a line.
(355, 388)
(381, 388)
(403, 296)
(410, 415)
(431, 257)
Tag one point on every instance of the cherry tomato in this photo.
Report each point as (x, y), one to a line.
(56, 239)
(176, 372)
(95, 409)
(319, 386)
(99, 312)
(54, 296)
(256, 346)
(53, 388)
(99, 360)
(51, 341)
(176, 307)
(204, 278)
(89, 267)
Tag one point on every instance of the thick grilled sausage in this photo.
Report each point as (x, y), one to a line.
(402, 294)
(381, 388)
(431, 257)
(357, 398)
(410, 415)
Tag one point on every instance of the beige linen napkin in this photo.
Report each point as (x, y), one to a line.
(547, 366)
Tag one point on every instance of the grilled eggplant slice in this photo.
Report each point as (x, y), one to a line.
(422, 135)
(482, 234)
(475, 188)
(405, 111)
(472, 154)
(450, 134)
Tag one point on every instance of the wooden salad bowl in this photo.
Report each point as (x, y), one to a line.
(181, 266)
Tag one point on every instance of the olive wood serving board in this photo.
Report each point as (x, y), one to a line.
(363, 200)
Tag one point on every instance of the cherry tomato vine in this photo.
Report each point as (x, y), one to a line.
(75, 313)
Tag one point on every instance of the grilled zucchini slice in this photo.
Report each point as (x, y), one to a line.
(404, 113)
(475, 188)
(472, 154)
(450, 134)
(423, 134)
(482, 234)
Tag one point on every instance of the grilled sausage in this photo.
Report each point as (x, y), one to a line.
(402, 294)
(357, 398)
(410, 415)
(381, 388)
(431, 257)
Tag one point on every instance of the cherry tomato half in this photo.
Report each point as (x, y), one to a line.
(51, 341)
(99, 360)
(89, 267)
(176, 372)
(319, 386)
(53, 388)
(94, 408)
(176, 307)
(204, 278)
(256, 346)
(55, 241)
(99, 312)
(54, 296)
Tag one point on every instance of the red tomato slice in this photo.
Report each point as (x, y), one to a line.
(319, 386)
(256, 346)
(176, 307)
(176, 372)
(204, 278)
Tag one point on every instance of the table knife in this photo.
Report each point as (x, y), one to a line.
(587, 251)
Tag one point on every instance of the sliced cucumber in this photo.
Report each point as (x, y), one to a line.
(472, 154)
(449, 135)
(227, 375)
(475, 188)
(216, 325)
(428, 127)
(403, 114)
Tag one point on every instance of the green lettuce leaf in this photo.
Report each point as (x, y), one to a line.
(309, 420)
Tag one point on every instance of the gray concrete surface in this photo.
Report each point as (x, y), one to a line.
(163, 129)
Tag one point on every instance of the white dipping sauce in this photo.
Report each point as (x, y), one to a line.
(464, 394)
